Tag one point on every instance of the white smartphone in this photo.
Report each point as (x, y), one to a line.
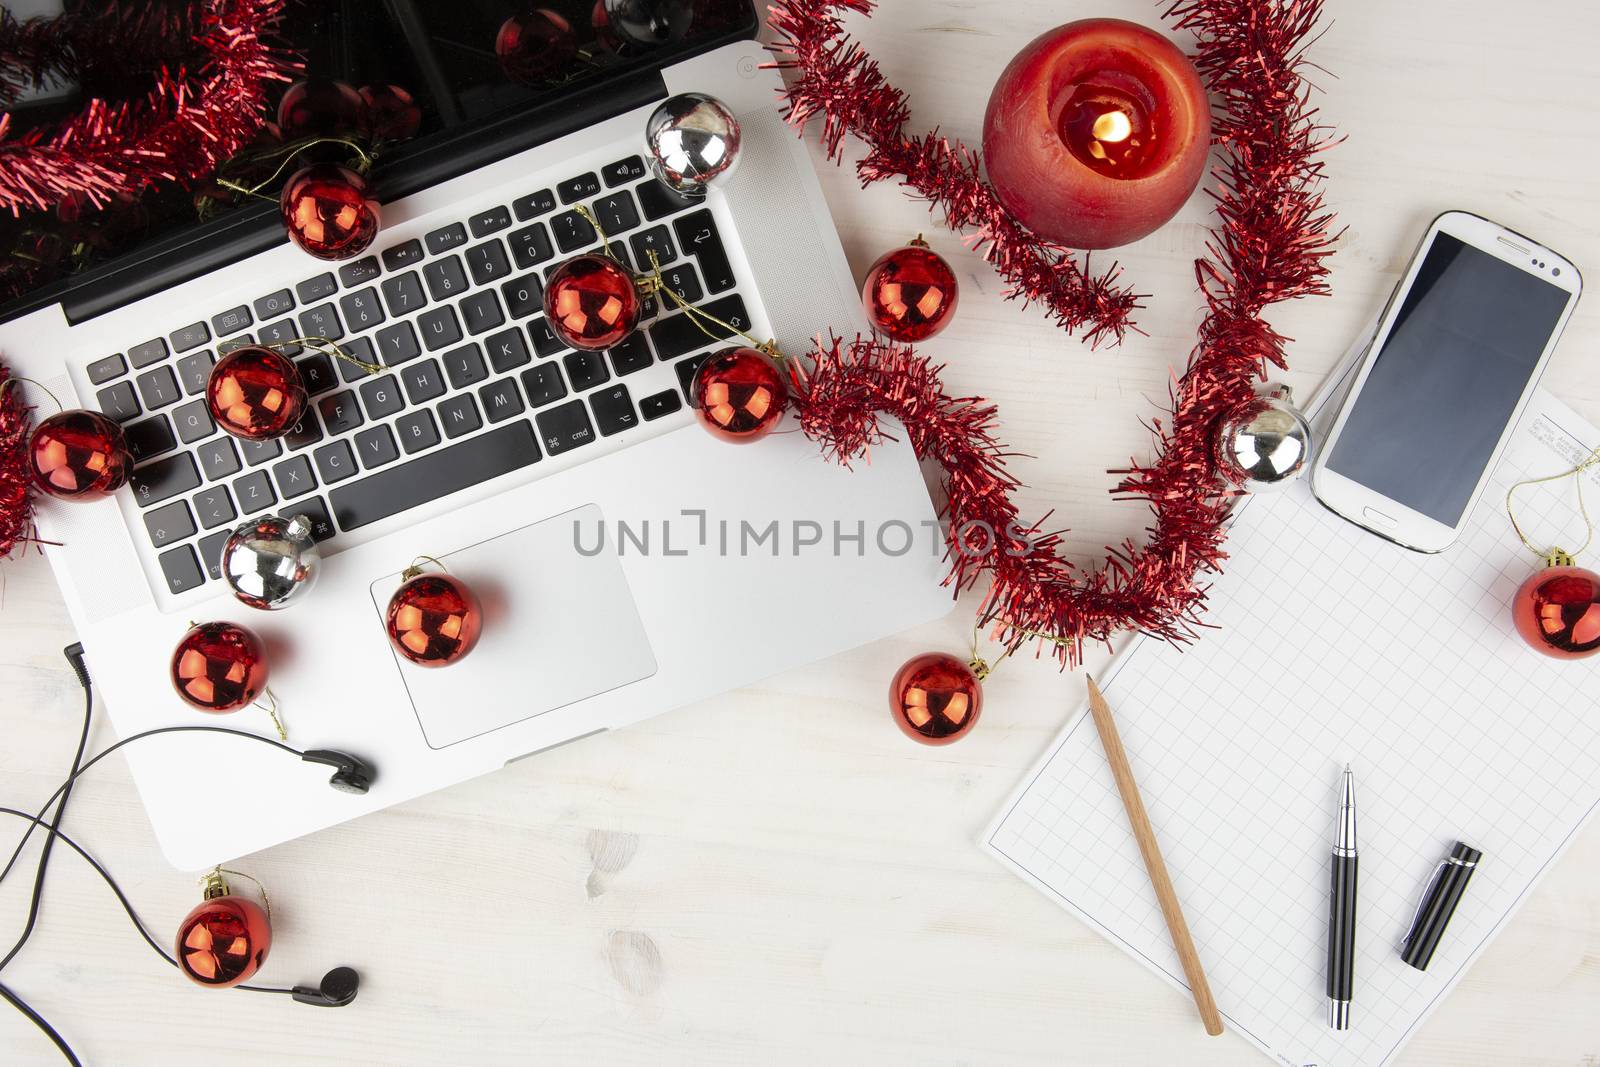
(1456, 356)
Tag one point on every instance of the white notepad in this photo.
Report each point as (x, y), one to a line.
(1332, 646)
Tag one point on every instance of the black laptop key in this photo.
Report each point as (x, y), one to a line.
(316, 371)
(255, 493)
(545, 342)
(481, 312)
(211, 552)
(543, 384)
(677, 334)
(613, 410)
(152, 351)
(397, 344)
(340, 412)
(530, 246)
(564, 427)
(316, 288)
(362, 309)
(281, 336)
(686, 372)
(485, 222)
(585, 370)
(423, 382)
(402, 255)
(159, 387)
(507, 350)
(501, 400)
(417, 431)
(445, 277)
(375, 447)
(169, 523)
(360, 272)
(164, 479)
(150, 438)
(305, 432)
(102, 371)
(428, 477)
(487, 262)
(194, 370)
(321, 321)
(403, 293)
(191, 336)
(358, 348)
(623, 171)
(181, 569)
(219, 459)
(459, 415)
(274, 304)
(237, 342)
(658, 201)
(314, 511)
(381, 397)
(335, 462)
(698, 237)
(533, 205)
(440, 328)
(193, 422)
(572, 231)
(655, 239)
(464, 366)
(294, 477)
(447, 237)
(214, 507)
(616, 212)
(258, 452)
(232, 321)
(118, 401)
(580, 188)
(631, 355)
(524, 296)
(681, 280)
(660, 404)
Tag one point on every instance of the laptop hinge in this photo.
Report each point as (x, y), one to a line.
(257, 227)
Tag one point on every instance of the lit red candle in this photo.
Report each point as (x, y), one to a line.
(1097, 133)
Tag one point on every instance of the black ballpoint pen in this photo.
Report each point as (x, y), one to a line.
(1342, 909)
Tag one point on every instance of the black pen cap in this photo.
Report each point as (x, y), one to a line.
(1438, 904)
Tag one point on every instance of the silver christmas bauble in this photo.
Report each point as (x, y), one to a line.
(649, 23)
(1263, 442)
(271, 562)
(693, 141)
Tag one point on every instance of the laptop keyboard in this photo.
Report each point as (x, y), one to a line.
(474, 386)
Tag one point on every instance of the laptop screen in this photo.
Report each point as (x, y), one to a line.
(488, 77)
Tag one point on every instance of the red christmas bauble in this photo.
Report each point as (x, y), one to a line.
(935, 698)
(535, 48)
(328, 211)
(740, 394)
(223, 941)
(1557, 611)
(319, 107)
(591, 301)
(255, 393)
(389, 113)
(433, 620)
(219, 666)
(79, 455)
(910, 293)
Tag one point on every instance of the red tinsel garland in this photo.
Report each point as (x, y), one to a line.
(16, 488)
(836, 79)
(187, 124)
(1268, 246)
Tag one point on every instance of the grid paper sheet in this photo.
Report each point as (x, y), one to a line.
(1332, 646)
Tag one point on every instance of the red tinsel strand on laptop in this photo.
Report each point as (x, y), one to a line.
(835, 79)
(186, 124)
(16, 485)
(1269, 245)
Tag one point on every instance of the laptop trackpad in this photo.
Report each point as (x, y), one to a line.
(558, 627)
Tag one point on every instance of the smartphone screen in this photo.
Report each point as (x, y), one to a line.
(1467, 337)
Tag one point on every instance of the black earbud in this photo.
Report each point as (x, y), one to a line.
(338, 988)
(350, 774)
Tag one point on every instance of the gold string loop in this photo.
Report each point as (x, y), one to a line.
(289, 152)
(414, 569)
(9, 382)
(215, 885)
(269, 704)
(327, 347)
(1555, 556)
(653, 283)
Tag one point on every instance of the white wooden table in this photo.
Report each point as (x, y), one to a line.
(778, 875)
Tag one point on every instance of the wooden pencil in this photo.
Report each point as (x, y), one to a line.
(1117, 756)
